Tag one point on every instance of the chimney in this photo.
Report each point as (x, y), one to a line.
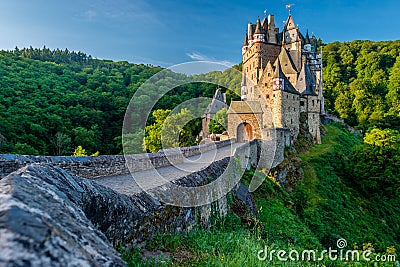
(250, 31)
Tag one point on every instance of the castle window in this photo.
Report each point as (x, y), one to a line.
(301, 103)
(259, 96)
(294, 109)
(269, 74)
(293, 97)
(265, 84)
(291, 121)
(287, 96)
(313, 102)
(267, 96)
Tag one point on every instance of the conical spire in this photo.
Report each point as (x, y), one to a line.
(264, 24)
(286, 85)
(308, 41)
(259, 28)
(290, 25)
(278, 70)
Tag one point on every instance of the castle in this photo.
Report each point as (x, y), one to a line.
(282, 80)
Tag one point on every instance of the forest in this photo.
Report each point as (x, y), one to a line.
(362, 83)
(53, 101)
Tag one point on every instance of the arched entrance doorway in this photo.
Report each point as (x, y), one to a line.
(244, 133)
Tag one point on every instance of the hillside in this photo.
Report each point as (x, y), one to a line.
(324, 208)
(362, 81)
(54, 101)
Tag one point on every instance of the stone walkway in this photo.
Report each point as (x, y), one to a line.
(143, 180)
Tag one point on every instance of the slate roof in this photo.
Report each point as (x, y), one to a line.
(287, 63)
(306, 82)
(259, 28)
(245, 107)
(218, 102)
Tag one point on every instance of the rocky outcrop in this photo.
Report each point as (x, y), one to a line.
(49, 217)
(42, 223)
(289, 172)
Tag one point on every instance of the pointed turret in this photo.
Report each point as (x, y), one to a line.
(280, 81)
(264, 24)
(245, 44)
(307, 39)
(278, 70)
(259, 28)
(259, 34)
(290, 25)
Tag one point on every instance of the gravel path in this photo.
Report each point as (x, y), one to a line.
(129, 184)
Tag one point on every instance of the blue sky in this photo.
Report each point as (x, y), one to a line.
(165, 32)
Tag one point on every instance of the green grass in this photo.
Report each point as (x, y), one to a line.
(317, 213)
(327, 145)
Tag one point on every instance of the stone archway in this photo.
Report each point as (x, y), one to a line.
(244, 133)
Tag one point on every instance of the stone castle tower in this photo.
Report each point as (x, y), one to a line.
(282, 78)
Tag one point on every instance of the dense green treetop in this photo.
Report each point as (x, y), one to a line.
(362, 82)
(54, 101)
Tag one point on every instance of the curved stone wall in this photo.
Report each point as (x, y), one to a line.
(100, 166)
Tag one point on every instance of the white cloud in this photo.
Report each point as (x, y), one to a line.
(200, 57)
(122, 10)
(90, 14)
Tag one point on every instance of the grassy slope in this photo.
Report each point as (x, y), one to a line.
(314, 216)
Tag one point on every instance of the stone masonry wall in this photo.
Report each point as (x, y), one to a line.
(53, 218)
(93, 167)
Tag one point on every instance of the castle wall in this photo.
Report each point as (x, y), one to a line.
(313, 111)
(235, 119)
(94, 167)
(291, 113)
(205, 122)
(256, 58)
(272, 148)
